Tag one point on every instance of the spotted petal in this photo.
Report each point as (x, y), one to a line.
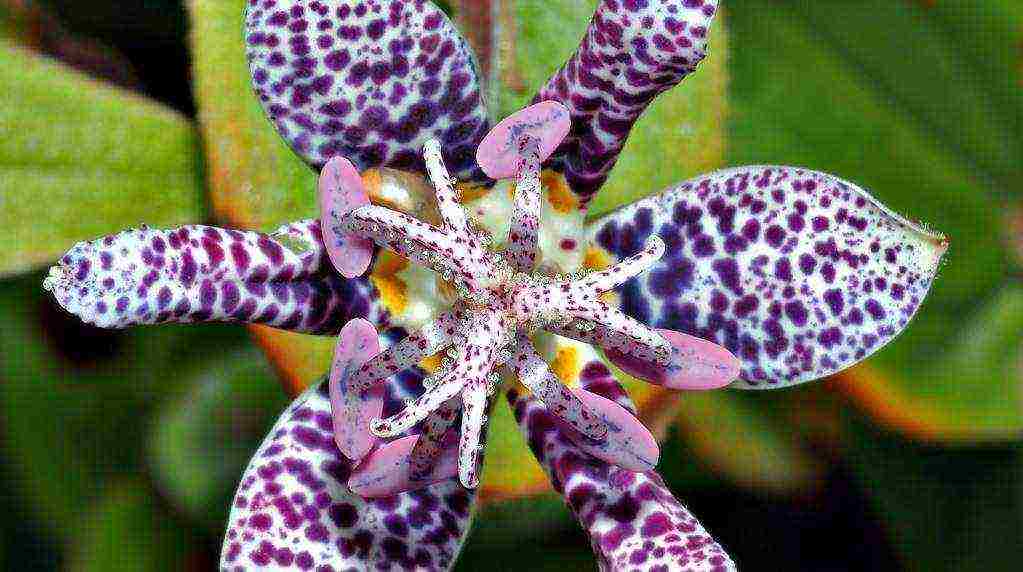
(202, 273)
(371, 81)
(293, 509)
(631, 53)
(633, 520)
(798, 273)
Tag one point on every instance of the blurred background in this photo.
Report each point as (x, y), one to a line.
(121, 450)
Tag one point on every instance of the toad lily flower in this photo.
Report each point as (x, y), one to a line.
(796, 274)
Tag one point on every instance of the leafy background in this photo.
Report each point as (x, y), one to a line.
(120, 450)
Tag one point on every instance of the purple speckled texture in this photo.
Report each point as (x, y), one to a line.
(202, 273)
(798, 273)
(633, 520)
(633, 51)
(294, 511)
(370, 80)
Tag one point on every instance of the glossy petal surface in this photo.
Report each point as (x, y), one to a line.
(633, 521)
(294, 510)
(202, 273)
(368, 80)
(632, 52)
(798, 273)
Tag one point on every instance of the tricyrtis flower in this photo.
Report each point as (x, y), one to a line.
(775, 275)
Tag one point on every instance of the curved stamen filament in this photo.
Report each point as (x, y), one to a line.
(411, 350)
(420, 409)
(614, 276)
(523, 234)
(533, 372)
(451, 212)
(431, 440)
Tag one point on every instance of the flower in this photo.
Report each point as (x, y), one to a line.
(798, 273)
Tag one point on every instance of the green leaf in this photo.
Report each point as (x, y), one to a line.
(943, 509)
(799, 98)
(128, 530)
(70, 426)
(79, 167)
(255, 180)
(727, 432)
(201, 440)
(680, 136)
(941, 81)
(978, 379)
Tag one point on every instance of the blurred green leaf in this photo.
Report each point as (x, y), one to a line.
(158, 20)
(128, 531)
(727, 432)
(800, 99)
(679, 137)
(981, 373)
(70, 427)
(202, 439)
(74, 167)
(970, 115)
(944, 509)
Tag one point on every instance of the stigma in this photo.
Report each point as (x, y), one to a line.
(502, 301)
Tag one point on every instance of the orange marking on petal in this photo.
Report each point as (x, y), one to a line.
(566, 366)
(374, 180)
(392, 289)
(470, 192)
(596, 258)
(432, 363)
(562, 199)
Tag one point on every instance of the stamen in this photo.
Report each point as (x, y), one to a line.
(616, 331)
(534, 373)
(419, 409)
(428, 448)
(474, 418)
(418, 345)
(525, 225)
(451, 212)
(613, 277)
(420, 242)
